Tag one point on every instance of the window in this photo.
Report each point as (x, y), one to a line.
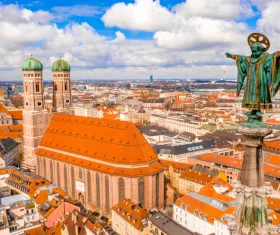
(89, 187)
(55, 87)
(73, 181)
(80, 173)
(51, 170)
(66, 86)
(26, 88)
(37, 87)
(157, 190)
(107, 191)
(45, 168)
(65, 178)
(141, 191)
(58, 174)
(121, 184)
(97, 190)
(38, 166)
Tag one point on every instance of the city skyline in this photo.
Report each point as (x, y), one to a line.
(132, 39)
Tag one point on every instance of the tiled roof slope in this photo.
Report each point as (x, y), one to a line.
(131, 212)
(100, 141)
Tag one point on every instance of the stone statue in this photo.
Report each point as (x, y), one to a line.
(262, 71)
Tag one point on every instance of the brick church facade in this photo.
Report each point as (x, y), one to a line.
(96, 161)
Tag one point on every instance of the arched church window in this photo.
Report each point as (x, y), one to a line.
(89, 187)
(38, 166)
(157, 190)
(58, 174)
(97, 190)
(37, 87)
(141, 191)
(65, 178)
(121, 184)
(55, 87)
(80, 173)
(66, 86)
(73, 181)
(45, 168)
(51, 170)
(107, 204)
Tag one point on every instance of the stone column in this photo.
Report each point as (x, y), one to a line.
(250, 215)
(252, 170)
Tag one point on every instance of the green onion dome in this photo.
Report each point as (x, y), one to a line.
(31, 64)
(60, 65)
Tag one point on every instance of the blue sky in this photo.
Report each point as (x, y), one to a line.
(131, 39)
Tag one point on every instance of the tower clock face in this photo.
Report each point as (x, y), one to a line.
(67, 101)
(39, 103)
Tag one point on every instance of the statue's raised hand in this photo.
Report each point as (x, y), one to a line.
(228, 55)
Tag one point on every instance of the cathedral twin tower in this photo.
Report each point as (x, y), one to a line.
(35, 117)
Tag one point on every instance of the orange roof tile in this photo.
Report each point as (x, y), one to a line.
(209, 191)
(54, 230)
(273, 203)
(106, 140)
(134, 213)
(177, 166)
(275, 144)
(16, 114)
(275, 217)
(202, 209)
(35, 231)
(196, 177)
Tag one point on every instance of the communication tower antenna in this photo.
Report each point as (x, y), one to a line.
(225, 70)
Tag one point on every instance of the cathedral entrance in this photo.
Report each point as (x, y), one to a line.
(81, 198)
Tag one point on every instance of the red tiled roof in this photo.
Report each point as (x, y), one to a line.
(111, 141)
(209, 191)
(202, 209)
(196, 177)
(134, 213)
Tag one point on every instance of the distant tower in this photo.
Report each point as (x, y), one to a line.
(35, 118)
(225, 69)
(62, 99)
(151, 79)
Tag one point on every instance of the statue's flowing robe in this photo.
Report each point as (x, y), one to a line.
(263, 79)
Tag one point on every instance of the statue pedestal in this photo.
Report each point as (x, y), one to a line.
(252, 170)
(250, 215)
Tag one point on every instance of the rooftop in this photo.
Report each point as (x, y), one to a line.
(167, 225)
(183, 149)
(106, 145)
(132, 213)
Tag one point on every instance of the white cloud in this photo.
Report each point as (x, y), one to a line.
(216, 9)
(77, 10)
(269, 22)
(200, 32)
(120, 37)
(183, 47)
(261, 4)
(146, 15)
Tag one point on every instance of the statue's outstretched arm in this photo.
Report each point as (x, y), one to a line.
(232, 56)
